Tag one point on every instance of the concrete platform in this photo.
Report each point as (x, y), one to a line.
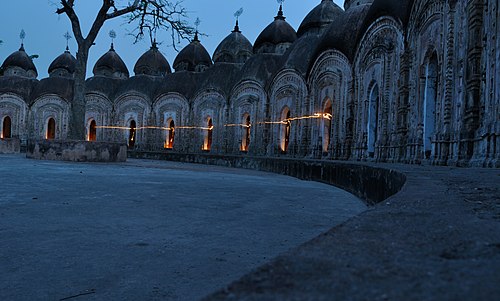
(149, 230)
(437, 239)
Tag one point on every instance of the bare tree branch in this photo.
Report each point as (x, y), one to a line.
(153, 15)
(123, 11)
(67, 8)
(99, 21)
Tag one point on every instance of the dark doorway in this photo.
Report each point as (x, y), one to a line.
(131, 134)
(92, 131)
(286, 128)
(372, 126)
(327, 125)
(7, 128)
(51, 129)
(208, 141)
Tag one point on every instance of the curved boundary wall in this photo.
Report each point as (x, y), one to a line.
(76, 151)
(371, 184)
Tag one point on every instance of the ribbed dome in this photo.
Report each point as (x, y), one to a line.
(194, 57)
(343, 32)
(111, 65)
(320, 17)
(64, 65)
(276, 37)
(153, 63)
(19, 60)
(235, 48)
(398, 9)
(351, 3)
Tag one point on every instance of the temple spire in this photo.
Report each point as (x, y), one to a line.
(197, 23)
(280, 15)
(22, 36)
(237, 15)
(112, 35)
(68, 37)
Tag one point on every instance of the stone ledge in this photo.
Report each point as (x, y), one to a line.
(76, 151)
(437, 239)
(10, 146)
(370, 183)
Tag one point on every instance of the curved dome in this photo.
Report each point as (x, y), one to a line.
(261, 68)
(343, 32)
(398, 9)
(300, 55)
(64, 65)
(111, 65)
(351, 3)
(276, 37)
(194, 57)
(153, 63)
(235, 48)
(320, 17)
(19, 63)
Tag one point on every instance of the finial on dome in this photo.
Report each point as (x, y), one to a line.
(237, 14)
(22, 36)
(68, 37)
(280, 11)
(196, 23)
(112, 35)
(154, 45)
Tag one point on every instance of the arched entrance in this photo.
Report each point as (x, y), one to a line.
(327, 125)
(429, 107)
(92, 136)
(245, 141)
(285, 129)
(372, 126)
(7, 128)
(207, 144)
(51, 129)
(169, 143)
(132, 134)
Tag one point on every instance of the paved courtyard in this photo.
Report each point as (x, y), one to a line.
(149, 230)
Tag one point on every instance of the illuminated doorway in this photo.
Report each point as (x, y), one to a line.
(169, 142)
(92, 136)
(207, 145)
(7, 128)
(51, 129)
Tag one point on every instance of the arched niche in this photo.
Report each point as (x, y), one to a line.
(285, 129)
(429, 104)
(372, 120)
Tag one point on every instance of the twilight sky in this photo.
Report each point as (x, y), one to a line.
(45, 29)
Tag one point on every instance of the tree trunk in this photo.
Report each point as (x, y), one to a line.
(77, 114)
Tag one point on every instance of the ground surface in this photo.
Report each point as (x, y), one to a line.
(437, 239)
(149, 230)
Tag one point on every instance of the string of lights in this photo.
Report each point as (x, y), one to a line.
(284, 121)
